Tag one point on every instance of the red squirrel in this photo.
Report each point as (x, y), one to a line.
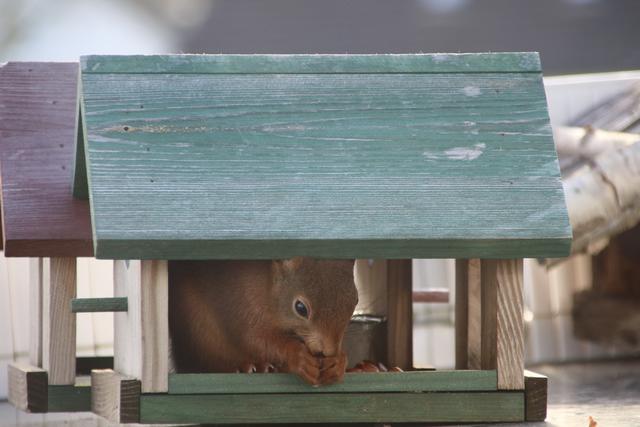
(280, 315)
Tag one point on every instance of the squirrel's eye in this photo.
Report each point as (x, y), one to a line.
(301, 309)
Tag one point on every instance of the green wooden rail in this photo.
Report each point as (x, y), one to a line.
(95, 305)
(333, 407)
(353, 383)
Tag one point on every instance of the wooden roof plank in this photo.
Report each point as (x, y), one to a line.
(315, 64)
(330, 165)
(38, 109)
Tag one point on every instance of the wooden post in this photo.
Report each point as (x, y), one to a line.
(399, 314)
(35, 311)
(489, 323)
(58, 322)
(115, 397)
(502, 321)
(141, 335)
(468, 314)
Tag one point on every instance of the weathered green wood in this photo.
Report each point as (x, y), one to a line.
(372, 165)
(94, 305)
(333, 408)
(353, 382)
(69, 398)
(313, 64)
(80, 186)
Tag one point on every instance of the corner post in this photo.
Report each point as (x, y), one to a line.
(58, 322)
(502, 321)
(489, 322)
(141, 340)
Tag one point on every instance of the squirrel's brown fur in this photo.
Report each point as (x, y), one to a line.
(227, 315)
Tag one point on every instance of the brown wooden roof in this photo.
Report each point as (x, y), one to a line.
(38, 109)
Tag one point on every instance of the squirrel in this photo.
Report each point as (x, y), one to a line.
(267, 316)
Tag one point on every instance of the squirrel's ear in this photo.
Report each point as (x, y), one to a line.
(292, 263)
(283, 266)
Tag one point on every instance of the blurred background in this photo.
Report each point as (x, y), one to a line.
(573, 37)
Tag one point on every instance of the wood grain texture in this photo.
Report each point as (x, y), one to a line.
(415, 381)
(333, 407)
(35, 311)
(535, 396)
(468, 314)
(58, 322)
(38, 109)
(69, 398)
(522, 62)
(141, 335)
(27, 387)
(502, 321)
(115, 397)
(97, 305)
(376, 165)
(399, 313)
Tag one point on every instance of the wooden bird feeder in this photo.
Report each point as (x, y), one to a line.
(273, 156)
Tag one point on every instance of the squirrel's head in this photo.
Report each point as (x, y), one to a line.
(316, 299)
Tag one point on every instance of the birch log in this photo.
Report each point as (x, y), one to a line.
(603, 196)
(579, 145)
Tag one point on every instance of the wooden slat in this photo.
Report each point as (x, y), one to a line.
(468, 314)
(353, 383)
(38, 109)
(399, 314)
(28, 387)
(327, 165)
(474, 319)
(502, 321)
(35, 311)
(300, 64)
(69, 398)
(97, 305)
(141, 345)
(462, 313)
(115, 397)
(333, 408)
(58, 322)
(535, 396)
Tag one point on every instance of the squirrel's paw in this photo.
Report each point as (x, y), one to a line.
(301, 362)
(333, 369)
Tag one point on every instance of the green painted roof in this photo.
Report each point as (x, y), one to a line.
(271, 156)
